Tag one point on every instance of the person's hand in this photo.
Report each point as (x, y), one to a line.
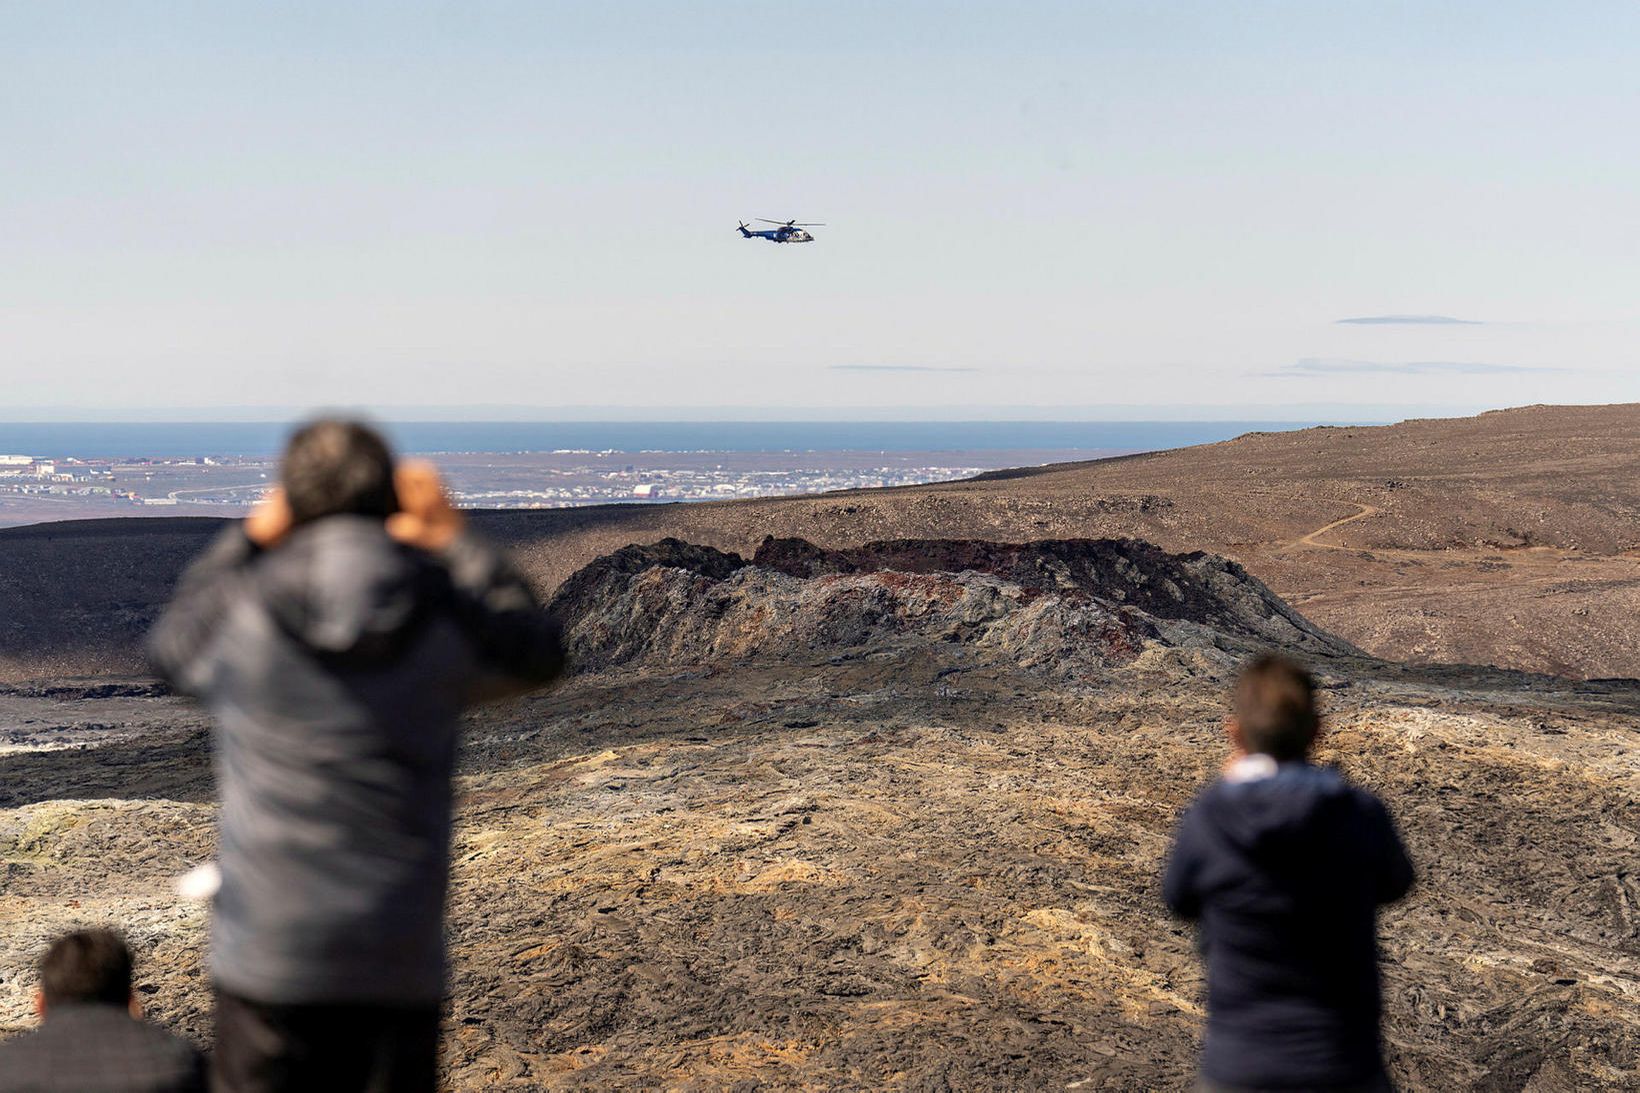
(426, 519)
(270, 521)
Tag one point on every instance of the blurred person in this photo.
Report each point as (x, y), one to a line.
(92, 1038)
(1285, 864)
(336, 636)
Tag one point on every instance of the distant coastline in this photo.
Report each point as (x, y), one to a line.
(169, 440)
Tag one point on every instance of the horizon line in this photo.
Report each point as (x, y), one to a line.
(488, 414)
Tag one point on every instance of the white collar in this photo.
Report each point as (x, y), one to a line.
(1251, 768)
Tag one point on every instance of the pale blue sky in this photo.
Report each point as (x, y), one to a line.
(1078, 204)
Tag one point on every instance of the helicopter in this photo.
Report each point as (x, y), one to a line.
(789, 231)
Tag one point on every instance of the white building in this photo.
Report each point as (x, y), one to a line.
(16, 460)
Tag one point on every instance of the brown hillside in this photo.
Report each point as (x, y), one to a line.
(1508, 538)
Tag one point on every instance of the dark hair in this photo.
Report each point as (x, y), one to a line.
(1275, 705)
(332, 466)
(87, 966)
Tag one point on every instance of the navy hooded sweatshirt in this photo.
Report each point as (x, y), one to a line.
(1285, 871)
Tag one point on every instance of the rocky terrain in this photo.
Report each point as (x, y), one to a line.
(1507, 539)
(1067, 606)
(861, 812)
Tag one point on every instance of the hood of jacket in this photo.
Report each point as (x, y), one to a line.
(343, 588)
(1278, 813)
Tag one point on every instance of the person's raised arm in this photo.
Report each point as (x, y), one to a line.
(1396, 874)
(178, 642)
(1181, 888)
(521, 646)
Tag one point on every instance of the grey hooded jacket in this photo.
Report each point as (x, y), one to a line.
(336, 666)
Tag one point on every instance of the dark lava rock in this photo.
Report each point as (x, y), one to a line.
(1190, 587)
(1059, 605)
(87, 689)
(577, 595)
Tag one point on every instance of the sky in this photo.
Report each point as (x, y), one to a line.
(1096, 209)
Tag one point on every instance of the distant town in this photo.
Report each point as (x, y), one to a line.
(36, 488)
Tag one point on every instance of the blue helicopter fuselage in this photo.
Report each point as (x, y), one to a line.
(778, 235)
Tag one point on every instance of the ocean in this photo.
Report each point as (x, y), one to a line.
(159, 440)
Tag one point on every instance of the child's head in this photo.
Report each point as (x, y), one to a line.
(85, 967)
(1274, 709)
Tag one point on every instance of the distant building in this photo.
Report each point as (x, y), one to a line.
(44, 468)
(16, 460)
(645, 490)
(159, 500)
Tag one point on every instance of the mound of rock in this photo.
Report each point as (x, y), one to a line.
(1062, 605)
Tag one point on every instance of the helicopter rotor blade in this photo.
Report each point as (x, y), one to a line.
(766, 220)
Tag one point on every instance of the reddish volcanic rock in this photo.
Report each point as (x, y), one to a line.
(1061, 605)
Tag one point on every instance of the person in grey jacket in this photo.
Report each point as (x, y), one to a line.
(336, 636)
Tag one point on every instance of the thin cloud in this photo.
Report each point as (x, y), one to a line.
(898, 368)
(1321, 366)
(1410, 320)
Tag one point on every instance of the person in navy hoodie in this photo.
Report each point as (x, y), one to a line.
(1284, 865)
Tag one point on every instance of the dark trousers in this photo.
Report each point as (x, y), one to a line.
(1380, 1084)
(264, 1048)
